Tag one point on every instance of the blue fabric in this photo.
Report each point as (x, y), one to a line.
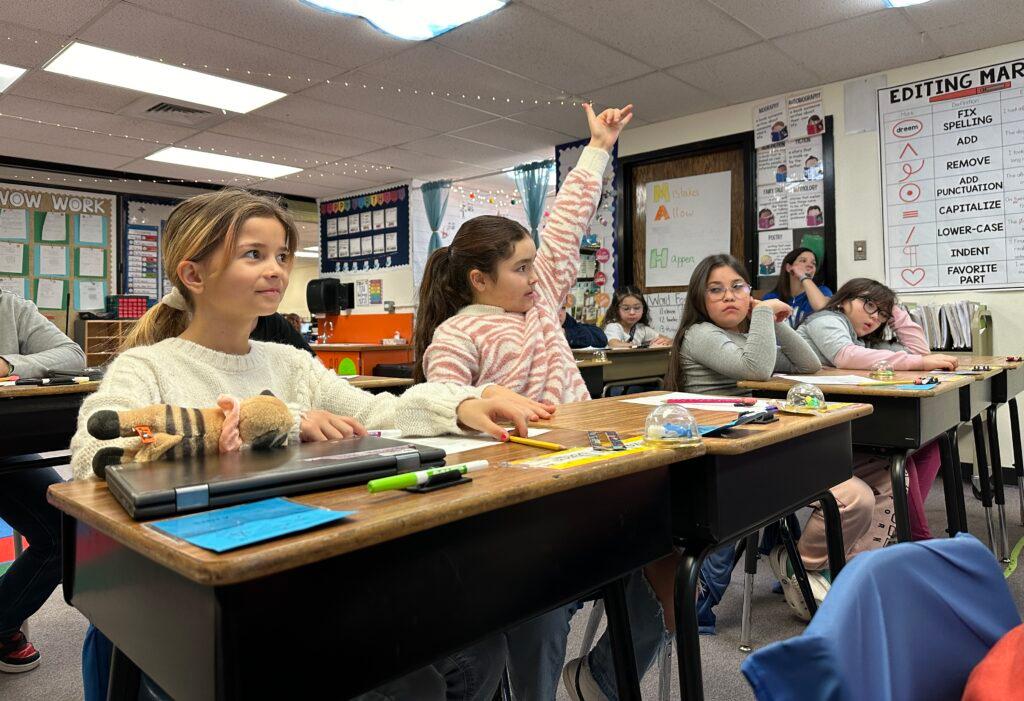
(583, 335)
(532, 181)
(435, 201)
(801, 306)
(715, 575)
(906, 622)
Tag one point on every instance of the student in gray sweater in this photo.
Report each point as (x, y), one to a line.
(30, 346)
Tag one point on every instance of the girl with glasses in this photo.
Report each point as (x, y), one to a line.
(627, 322)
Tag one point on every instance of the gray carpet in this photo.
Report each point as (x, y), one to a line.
(57, 630)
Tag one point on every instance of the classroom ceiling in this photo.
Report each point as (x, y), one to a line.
(492, 79)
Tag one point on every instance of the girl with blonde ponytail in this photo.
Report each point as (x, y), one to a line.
(228, 255)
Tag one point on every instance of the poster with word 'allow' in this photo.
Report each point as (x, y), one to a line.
(952, 153)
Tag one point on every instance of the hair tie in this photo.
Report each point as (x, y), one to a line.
(175, 300)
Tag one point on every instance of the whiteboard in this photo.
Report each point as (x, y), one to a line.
(666, 311)
(688, 219)
(952, 162)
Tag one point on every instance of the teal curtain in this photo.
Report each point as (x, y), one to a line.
(435, 201)
(532, 181)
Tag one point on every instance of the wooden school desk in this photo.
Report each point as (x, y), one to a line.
(375, 384)
(405, 581)
(639, 364)
(365, 356)
(592, 371)
(902, 421)
(39, 419)
(754, 477)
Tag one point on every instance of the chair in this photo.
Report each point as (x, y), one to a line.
(903, 623)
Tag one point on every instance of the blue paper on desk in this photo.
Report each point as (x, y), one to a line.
(912, 386)
(233, 527)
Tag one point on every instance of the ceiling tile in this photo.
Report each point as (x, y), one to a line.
(746, 74)
(179, 172)
(657, 32)
(458, 149)
(341, 183)
(314, 114)
(958, 27)
(57, 16)
(345, 42)
(51, 87)
(430, 66)
(27, 48)
(515, 136)
(779, 17)
(136, 31)
(980, 34)
(69, 138)
(860, 46)
(294, 186)
(523, 41)
(272, 131)
(423, 166)
(256, 150)
(18, 148)
(407, 106)
(658, 97)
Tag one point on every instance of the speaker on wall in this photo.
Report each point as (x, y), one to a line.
(329, 296)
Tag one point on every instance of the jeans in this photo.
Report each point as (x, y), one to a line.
(471, 674)
(31, 578)
(536, 648)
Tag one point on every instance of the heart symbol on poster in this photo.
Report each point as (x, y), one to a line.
(912, 276)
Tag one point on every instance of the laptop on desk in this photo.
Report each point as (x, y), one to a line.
(169, 487)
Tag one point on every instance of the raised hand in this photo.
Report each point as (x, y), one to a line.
(606, 127)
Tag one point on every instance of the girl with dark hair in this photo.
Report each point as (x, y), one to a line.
(850, 334)
(796, 286)
(627, 323)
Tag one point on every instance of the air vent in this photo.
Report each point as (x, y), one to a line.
(183, 114)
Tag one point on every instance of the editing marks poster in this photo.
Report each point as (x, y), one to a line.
(952, 152)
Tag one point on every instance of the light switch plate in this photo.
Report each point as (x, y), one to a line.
(860, 250)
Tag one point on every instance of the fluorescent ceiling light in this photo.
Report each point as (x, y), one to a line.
(80, 60)
(304, 254)
(9, 74)
(904, 3)
(411, 19)
(215, 161)
(312, 248)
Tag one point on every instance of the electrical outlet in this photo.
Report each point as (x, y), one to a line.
(860, 250)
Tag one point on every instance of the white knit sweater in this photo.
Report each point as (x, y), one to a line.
(183, 373)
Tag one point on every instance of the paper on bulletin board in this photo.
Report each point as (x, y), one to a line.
(353, 224)
(772, 247)
(92, 262)
(366, 221)
(54, 228)
(90, 294)
(52, 260)
(806, 203)
(665, 311)
(92, 230)
(378, 219)
(805, 114)
(50, 293)
(15, 285)
(687, 219)
(772, 207)
(13, 225)
(770, 122)
(13, 258)
(362, 293)
(378, 243)
(804, 159)
(772, 165)
(391, 242)
(391, 217)
(341, 246)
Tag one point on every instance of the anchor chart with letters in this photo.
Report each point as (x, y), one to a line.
(952, 152)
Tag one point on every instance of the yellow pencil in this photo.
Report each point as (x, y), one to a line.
(535, 443)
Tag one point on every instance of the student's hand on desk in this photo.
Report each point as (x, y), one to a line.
(780, 309)
(660, 342)
(539, 410)
(5, 369)
(938, 361)
(483, 415)
(320, 425)
(605, 127)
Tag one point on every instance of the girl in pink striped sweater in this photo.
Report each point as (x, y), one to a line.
(489, 302)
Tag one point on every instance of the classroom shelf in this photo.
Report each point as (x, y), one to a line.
(101, 338)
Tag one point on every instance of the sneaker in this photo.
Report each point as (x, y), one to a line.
(17, 654)
(579, 683)
(778, 559)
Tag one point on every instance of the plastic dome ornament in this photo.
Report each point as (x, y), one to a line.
(669, 426)
(882, 370)
(805, 398)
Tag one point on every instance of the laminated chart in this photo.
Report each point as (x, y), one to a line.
(952, 153)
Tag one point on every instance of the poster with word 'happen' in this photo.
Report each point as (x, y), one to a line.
(952, 154)
(687, 220)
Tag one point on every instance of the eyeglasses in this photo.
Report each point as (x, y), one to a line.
(717, 292)
(631, 309)
(871, 309)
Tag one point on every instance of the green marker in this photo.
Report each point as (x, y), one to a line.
(412, 479)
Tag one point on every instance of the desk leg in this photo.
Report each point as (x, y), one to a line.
(961, 502)
(981, 462)
(125, 678)
(998, 494)
(833, 534)
(951, 485)
(787, 527)
(1018, 460)
(691, 683)
(749, 570)
(898, 477)
(622, 640)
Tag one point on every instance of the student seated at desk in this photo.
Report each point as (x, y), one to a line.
(627, 322)
(581, 335)
(796, 286)
(278, 328)
(726, 335)
(849, 334)
(228, 255)
(30, 346)
(488, 312)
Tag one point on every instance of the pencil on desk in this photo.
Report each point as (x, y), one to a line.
(536, 443)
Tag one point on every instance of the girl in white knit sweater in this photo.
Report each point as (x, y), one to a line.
(228, 255)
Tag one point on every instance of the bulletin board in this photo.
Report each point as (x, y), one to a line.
(56, 249)
(142, 225)
(365, 232)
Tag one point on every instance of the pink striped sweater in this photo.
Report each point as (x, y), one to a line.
(527, 353)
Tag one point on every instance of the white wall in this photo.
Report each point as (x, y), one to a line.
(294, 300)
(858, 190)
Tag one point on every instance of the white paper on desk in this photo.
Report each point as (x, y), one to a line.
(759, 405)
(832, 379)
(53, 260)
(459, 444)
(591, 348)
(12, 257)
